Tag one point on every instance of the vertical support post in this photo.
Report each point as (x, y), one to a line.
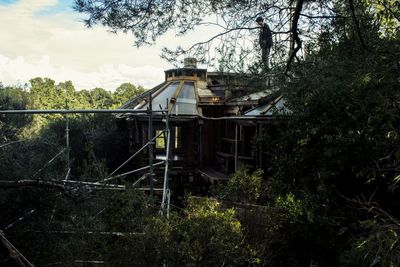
(169, 202)
(151, 144)
(236, 146)
(259, 149)
(166, 193)
(200, 143)
(67, 134)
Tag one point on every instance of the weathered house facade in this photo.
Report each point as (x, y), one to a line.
(213, 119)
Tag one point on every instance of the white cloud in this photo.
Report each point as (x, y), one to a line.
(58, 46)
(109, 76)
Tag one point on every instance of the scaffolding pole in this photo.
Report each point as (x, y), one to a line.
(67, 156)
(135, 154)
(165, 196)
(151, 143)
(78, 111)
(14, 252)
(236, 146)
(137, 170)
(49, 162)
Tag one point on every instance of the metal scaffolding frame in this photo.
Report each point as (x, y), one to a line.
(149, 144)
(103, 184)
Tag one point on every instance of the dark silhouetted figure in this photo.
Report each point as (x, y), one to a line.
(265, 40)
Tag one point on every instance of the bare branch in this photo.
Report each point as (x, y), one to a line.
(357, 24)
(322, 17)
(294, 29)
(374, 208)
(219, 35)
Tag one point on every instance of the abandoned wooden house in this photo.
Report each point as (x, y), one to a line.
(213, 119)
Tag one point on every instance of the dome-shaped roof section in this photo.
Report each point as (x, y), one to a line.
(181, 96)
(188, 72)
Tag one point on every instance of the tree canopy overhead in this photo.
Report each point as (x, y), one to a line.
(292, 22)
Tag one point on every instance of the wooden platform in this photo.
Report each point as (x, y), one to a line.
(212, 174)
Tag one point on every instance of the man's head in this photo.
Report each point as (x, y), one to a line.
(260, 21)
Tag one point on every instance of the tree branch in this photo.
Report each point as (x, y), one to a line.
(322, 17)
(357, 24)
(218, 35)
(226, 32)
(296, 39)
(383, 3)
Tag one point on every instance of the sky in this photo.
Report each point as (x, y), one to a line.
(46, 38)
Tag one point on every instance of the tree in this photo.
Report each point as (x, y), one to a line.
(243, 186)
(292, 22)
(342, 143)
(10, 126)
(207, 235)
(148, 20)
(46, 95)
(125, 92)
(37, 205)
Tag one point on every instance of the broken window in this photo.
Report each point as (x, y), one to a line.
(160, 140)
(177, 137)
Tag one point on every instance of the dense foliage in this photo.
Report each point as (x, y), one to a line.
(338, 154)
(33, 147)
(76, 225)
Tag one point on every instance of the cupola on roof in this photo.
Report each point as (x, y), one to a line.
(179, 89)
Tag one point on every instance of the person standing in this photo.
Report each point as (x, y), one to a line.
(265, 40)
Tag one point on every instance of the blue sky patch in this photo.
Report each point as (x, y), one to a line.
(7, 2)
(61, 6)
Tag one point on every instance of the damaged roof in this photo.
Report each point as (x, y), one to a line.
(186, 91)
(275, 107)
